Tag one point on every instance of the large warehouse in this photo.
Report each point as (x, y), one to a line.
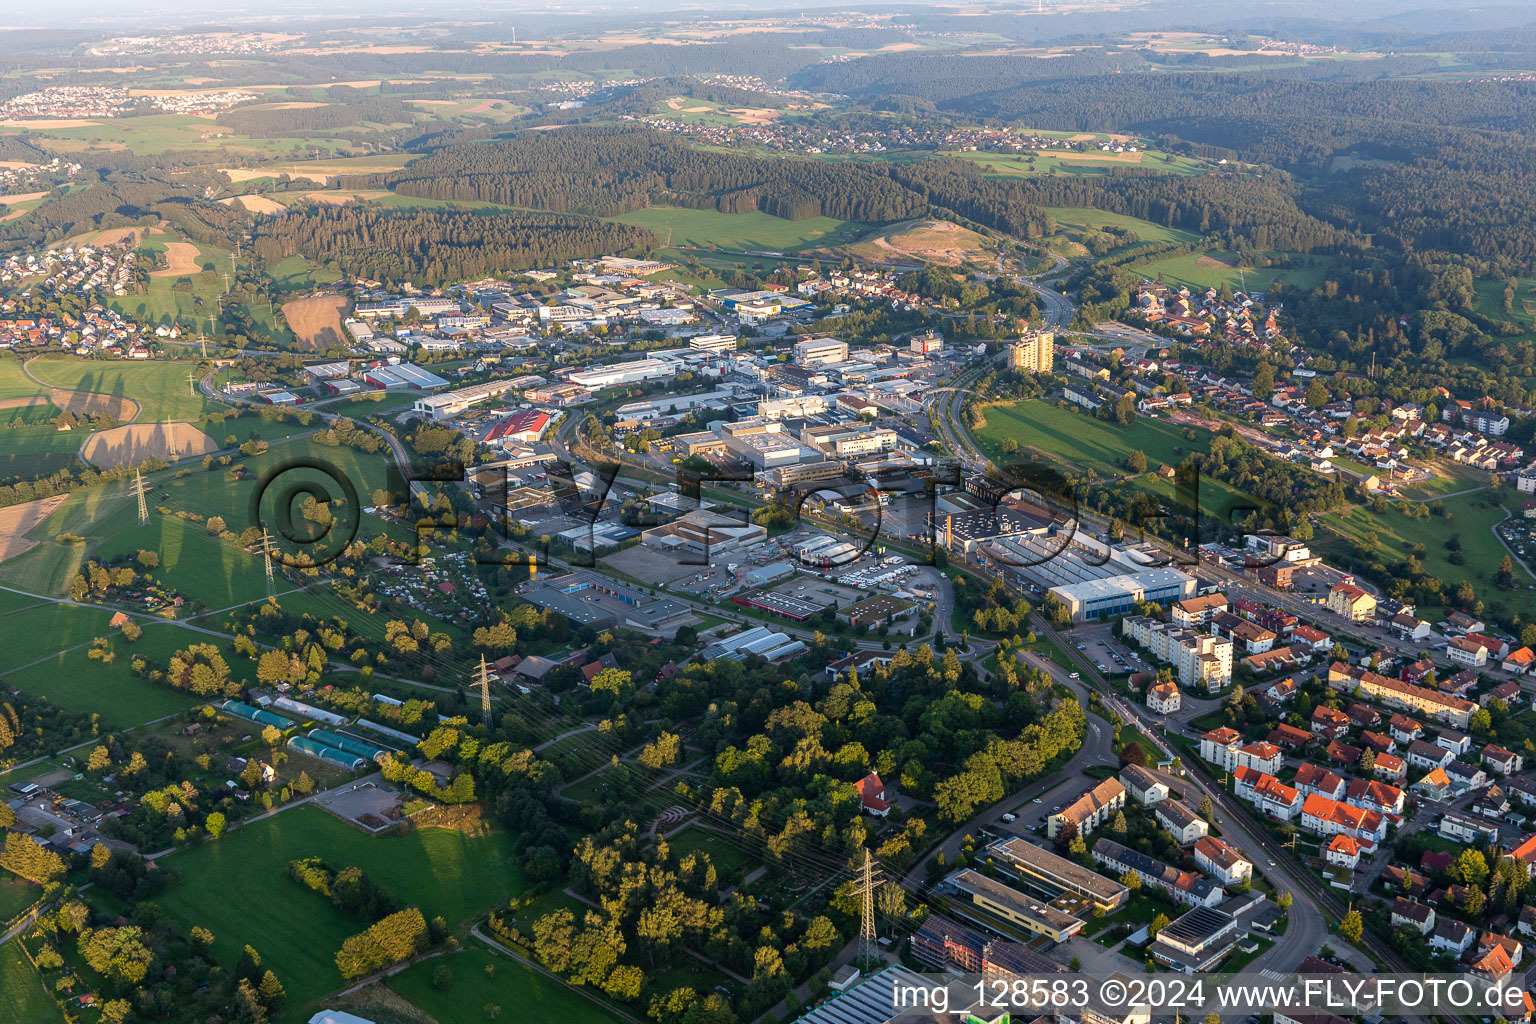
(1092, 600)
(632, 372)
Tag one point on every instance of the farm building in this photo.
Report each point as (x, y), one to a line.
(308, 711)
(349, 744)
(321, 752)
(257, 715)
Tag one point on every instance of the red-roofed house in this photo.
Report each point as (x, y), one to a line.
(873, 796)
(1343, 850)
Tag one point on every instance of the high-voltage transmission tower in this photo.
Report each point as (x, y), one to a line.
(482, 683)
(867, 886)
(142, 494)
(266, 554)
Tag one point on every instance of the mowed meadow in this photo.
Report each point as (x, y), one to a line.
(238, 887)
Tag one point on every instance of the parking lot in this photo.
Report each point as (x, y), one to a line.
(1109, 653)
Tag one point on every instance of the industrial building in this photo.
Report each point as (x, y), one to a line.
(452, 403)
(604, 603)
(714, 343)
(763, 444)
(779, 604)
(631, 372)
(849, 440)
(1096, 599)
(399, 376)
(704, 534)
(1196, 941)
(759, 640)
(816, 351)
(1055, 875)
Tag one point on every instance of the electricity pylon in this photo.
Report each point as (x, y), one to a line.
(266, 554)
(138, 489)
(867, 886)
(483, 683)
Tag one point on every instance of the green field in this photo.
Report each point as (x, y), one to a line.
(239, 888)
(1092, 162)
(199, 566)
(93, 513)
(164, 303)
(298, 274)
(522, 993)
(14, 382)
(23, 1000)
(16, 895)
(1217, 499)
(1215, 268)
(1080, 218)
(158, 386)
(726, 852)
(1078, 438)
(1470, 520)
(37, 450)
(1490, 303)
(151, 135)
(106, 515)
(76, 682)
(709, 228)
(47, 628)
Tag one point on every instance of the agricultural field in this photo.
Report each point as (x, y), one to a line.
(37, 450)
(98, 515)
(155, 134)
(23, 1000)
(239, 888)
(480, 978)
(316, 321)
(77, 682)
(1080, 219)
(159, 387)
(202, 568)
(48, 627)
(14, 383)
(166, 300)
(1470, 519)
(321, 171)
(1091, 162)
(710, 228)
(298, 274)
(1078, 438)
(1199, 271)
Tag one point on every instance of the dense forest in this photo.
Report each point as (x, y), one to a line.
(611, 170)
(1423, 165)
(437, 245)
(608, 170)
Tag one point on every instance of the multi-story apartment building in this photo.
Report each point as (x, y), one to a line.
(1199, 659)
(1035, 352)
